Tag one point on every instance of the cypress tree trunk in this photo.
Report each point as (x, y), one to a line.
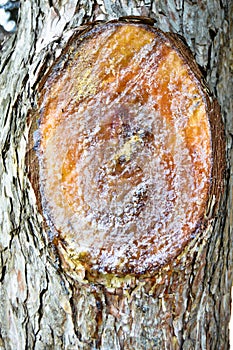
(187, 304)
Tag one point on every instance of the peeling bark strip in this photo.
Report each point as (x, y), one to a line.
(187, 305)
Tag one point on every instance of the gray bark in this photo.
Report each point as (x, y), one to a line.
(187, 304)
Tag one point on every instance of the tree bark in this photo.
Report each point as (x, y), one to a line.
(187, 304)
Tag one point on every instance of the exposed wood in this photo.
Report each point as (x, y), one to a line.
(131, 149)
(187, 305)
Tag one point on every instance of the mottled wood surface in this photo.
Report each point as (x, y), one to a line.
(187, 305)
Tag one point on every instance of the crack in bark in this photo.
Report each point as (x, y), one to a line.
(41, 304)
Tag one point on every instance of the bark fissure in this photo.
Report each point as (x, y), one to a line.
(41, 305)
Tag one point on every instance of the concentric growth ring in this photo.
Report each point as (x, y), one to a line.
(125, 150)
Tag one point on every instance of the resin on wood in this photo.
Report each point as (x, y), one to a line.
(126, 150)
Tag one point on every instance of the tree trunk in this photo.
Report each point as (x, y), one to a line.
(187, 304)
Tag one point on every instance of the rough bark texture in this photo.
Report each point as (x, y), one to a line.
(187, 305)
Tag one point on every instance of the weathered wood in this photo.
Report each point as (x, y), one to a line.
(187, 305)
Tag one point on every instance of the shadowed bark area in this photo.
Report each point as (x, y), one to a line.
(187, 304)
